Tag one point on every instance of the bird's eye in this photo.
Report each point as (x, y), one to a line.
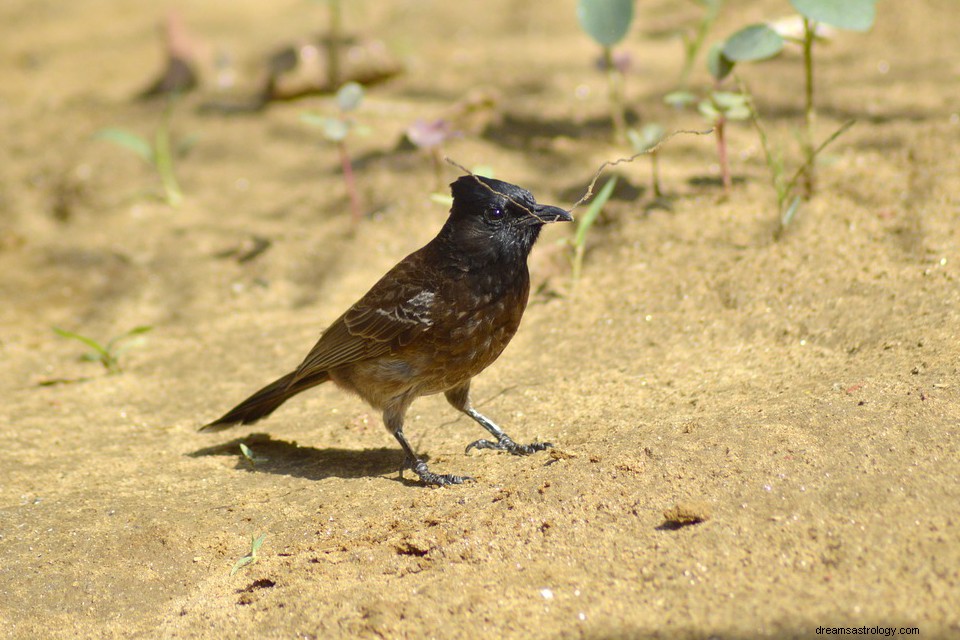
(494, 214)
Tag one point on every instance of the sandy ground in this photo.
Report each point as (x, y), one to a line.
(801, 393)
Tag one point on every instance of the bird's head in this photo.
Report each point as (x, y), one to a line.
(491, 219)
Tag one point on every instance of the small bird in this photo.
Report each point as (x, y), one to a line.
(433, 322)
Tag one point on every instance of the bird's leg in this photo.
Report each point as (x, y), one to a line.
(459, 397)
(393, 419)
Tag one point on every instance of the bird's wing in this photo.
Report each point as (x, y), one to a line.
(394, 312)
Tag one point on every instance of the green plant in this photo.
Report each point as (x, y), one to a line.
(788, 203)
(579, 242)
(159, 155)
(851, 15)
(336, 129)
(757, 42)
(693, 41)
(607, 22)
(647, 140)
(249, 456)
(109, 354)
(717, 107)
(252, 556)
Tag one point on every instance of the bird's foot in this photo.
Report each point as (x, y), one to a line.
(505, 443)
(419, 467)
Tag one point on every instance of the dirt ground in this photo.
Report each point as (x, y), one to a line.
(801, 393)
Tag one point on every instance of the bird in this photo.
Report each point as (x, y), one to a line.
(434, 321)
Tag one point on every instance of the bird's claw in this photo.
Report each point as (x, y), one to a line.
(419, 467)
(505, 443)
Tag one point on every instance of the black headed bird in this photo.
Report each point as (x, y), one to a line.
(433, 322)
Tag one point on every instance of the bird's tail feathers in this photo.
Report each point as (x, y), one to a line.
(264, 402)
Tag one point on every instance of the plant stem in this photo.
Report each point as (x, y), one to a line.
(774, 164)
(355, 210)
(655, 174)
(720, 127)
(578, 252)
(692, 46)
(615, 84)
(810, 113)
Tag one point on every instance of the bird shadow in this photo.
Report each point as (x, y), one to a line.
(288, 458)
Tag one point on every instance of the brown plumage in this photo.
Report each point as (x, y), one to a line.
(438, 318)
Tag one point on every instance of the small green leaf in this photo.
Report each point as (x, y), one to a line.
(251, 557)
(125, 337)
(680, 98)
(740, 112)
(249, 455)
(349, 96)
(728, 99)
(718, 64)
(645, 139)
(756, 42)
(129, 141)
(606, 21)
(90, 342)
(596, 206)
(790, 213)
(853, 15)
(709, 110)
(334, 129)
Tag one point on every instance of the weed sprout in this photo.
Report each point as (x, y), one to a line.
(693, 41)
(109, 354)
(579, 241)
(850, 15)
(607, 22)
(159, 155)
(645, 141)
(336, 129)
(252, 556)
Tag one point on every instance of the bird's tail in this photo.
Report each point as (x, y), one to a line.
(264, 402)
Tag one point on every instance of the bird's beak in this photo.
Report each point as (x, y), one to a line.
(546, 213)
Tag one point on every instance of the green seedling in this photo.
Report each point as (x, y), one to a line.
(719, 106)
(607, 22)
(758, 42)
(336, 129)
(579, 242)
(159, 155)
(647, 140)
(851, 15)
(693, 40)
(251, 557)
(109, 354)
(788, 202)
(248, 455)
